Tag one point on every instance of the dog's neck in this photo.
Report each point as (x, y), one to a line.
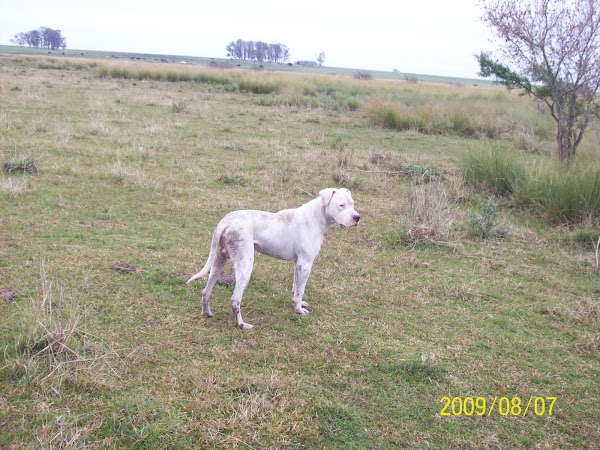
(319, 214)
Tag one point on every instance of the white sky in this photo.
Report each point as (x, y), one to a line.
(434, 37)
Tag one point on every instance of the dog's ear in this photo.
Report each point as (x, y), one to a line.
(327, 195)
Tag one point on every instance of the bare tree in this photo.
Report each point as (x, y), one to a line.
(554, 48)
(321, 58)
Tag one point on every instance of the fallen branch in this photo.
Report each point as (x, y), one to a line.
(409, 171)
(387, 172)
(598, 256)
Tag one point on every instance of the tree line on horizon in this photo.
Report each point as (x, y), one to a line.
(43, 37)
(258, 51)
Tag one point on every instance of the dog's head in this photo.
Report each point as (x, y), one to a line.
(340, 206)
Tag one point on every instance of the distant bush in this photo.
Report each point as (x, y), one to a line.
(363, 75)
(220, 64)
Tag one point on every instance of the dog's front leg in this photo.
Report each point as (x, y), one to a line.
(301, 274)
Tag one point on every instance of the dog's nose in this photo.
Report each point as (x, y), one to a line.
(356, 217)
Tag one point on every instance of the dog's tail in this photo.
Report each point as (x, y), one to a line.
(214, 250)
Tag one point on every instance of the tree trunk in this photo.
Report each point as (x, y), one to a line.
(565, 129)
(566, 150)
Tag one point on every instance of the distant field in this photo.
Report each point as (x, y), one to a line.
(114, 173)
(246, 65)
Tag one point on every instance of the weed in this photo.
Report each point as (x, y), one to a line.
(420, 173)
(235, 147)
(484, 223)
(21, 165)
(179, 107)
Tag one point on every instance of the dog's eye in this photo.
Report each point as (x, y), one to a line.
(342, 206)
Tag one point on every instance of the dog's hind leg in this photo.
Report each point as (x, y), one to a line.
(242, 257)
(215, 271)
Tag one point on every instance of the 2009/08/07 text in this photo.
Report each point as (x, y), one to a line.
(504, 406)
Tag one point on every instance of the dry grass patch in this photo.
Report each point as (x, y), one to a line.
(54, 348)
(430, 213)
(13, 187)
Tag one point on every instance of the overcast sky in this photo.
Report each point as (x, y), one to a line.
(434, 37)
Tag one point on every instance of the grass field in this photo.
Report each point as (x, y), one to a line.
(108, 162)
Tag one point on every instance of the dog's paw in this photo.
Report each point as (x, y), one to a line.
(302, 311)
(246, 326)
(304, 305)
(208, 314)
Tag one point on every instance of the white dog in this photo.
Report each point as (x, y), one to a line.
(292, 234)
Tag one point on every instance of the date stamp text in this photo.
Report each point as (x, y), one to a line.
(504, 406)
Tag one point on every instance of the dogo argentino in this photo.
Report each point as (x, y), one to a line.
(292, 235)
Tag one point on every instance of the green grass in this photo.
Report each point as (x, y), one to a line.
(140, 170)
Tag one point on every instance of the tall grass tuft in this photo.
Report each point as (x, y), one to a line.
(569, 195)
(429, 214)
(494, 170)
(258, 86)
(562, 194)
(434, 117)
(160, 74)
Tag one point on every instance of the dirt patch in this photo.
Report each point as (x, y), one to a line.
(9, 294)
(226, 280)
(125, 268)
